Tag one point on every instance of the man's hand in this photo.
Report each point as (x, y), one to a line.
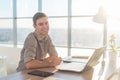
(53, 60)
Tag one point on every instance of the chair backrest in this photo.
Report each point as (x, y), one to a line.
(12, 58)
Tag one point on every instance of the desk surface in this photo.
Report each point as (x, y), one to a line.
(59, 75)
(96, 73)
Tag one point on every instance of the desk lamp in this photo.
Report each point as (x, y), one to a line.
(100, 18)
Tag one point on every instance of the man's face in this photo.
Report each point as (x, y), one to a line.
(42, 26)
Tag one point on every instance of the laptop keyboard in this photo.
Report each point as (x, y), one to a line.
(72, 66)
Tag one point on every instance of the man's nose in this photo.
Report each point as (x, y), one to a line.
(45, 26)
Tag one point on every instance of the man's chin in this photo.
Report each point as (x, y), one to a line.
(45, 35)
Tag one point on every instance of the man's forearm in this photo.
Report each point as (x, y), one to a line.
(47, 62)
(36, 64)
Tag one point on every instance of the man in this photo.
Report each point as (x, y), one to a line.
(37, 45)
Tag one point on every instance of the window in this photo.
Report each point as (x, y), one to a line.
(113, 29)
(71, 26)
(26, 8)
(85, 7)
(6, 7)
(60, 7)
(58, 28)
(24, 27)
(6, 31)
(6, 23)
(24, 18)
(86, 33)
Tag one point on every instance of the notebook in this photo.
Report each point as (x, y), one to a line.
(82, 66)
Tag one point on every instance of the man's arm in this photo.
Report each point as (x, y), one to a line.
(36, 64)
(48, 62)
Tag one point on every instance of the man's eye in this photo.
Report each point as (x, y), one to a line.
(40, 24)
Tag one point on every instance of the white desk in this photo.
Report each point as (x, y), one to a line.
(91, 74)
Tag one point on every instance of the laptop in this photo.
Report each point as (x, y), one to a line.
(82, 66)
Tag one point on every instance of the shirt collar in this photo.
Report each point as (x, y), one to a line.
(40, 39)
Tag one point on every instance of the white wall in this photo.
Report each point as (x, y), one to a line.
(12, 58)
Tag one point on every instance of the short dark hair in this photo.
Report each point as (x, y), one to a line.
(37, 16)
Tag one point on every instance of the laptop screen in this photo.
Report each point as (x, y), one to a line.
(95, 56)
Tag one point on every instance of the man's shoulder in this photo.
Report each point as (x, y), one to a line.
(30, 37)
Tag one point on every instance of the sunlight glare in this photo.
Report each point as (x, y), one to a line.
(112, 7)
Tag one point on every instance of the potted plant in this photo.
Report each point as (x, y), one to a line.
(113, 46)
(113, 53)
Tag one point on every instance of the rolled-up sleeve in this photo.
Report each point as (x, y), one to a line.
(30, 49)
(29, 55)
